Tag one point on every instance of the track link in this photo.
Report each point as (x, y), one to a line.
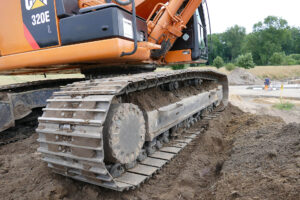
(71, 128)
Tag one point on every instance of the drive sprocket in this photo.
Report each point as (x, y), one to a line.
(124, 133)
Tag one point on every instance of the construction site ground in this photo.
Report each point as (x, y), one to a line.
(240, 156)
(250, 151)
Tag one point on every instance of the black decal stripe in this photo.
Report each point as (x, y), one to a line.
(45, 34)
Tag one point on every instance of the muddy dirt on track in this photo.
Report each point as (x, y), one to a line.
(240, 156)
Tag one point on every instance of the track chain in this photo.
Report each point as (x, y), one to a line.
(70, 130)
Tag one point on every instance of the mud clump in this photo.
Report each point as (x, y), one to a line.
(240, 76)
(240, 156)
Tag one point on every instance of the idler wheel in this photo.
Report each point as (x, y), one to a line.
(124, 133)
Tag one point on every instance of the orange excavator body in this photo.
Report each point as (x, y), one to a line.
(33, 38)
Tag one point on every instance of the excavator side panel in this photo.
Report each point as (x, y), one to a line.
(27, 25)
(12, 39)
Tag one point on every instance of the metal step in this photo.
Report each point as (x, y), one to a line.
(71, 121)
(74, 110)
(69, 145)
(74, 133)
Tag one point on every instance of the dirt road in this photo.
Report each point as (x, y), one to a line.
(240, 155)
(286, 93)
(262, 102)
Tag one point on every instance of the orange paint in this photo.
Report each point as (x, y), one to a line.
(19, 51)
(12, 38)
(90, 52)
(179, 56)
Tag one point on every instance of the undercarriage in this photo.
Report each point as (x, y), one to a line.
(118, 132)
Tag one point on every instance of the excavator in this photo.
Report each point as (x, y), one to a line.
(122, 123)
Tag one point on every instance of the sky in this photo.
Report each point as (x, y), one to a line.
(227, 13)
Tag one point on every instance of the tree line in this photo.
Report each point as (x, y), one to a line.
(272, 42)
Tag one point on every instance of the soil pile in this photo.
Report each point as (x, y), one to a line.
(240, 76)
(264, 164)
(240, 155)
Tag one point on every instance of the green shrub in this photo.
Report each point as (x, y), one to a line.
(245, 61)
(230, 66)
(289, 61)
(277, 58)
(282, 59)
(178, 67)
(295, 56)
(218, 62)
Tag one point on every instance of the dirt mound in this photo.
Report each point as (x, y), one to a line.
(264, 164)
(237, 150)
(24, 176)
(240, 76)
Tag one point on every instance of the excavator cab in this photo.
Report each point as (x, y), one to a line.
(195, 36)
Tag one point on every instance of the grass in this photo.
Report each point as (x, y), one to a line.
(284, 106)
(276, 72)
